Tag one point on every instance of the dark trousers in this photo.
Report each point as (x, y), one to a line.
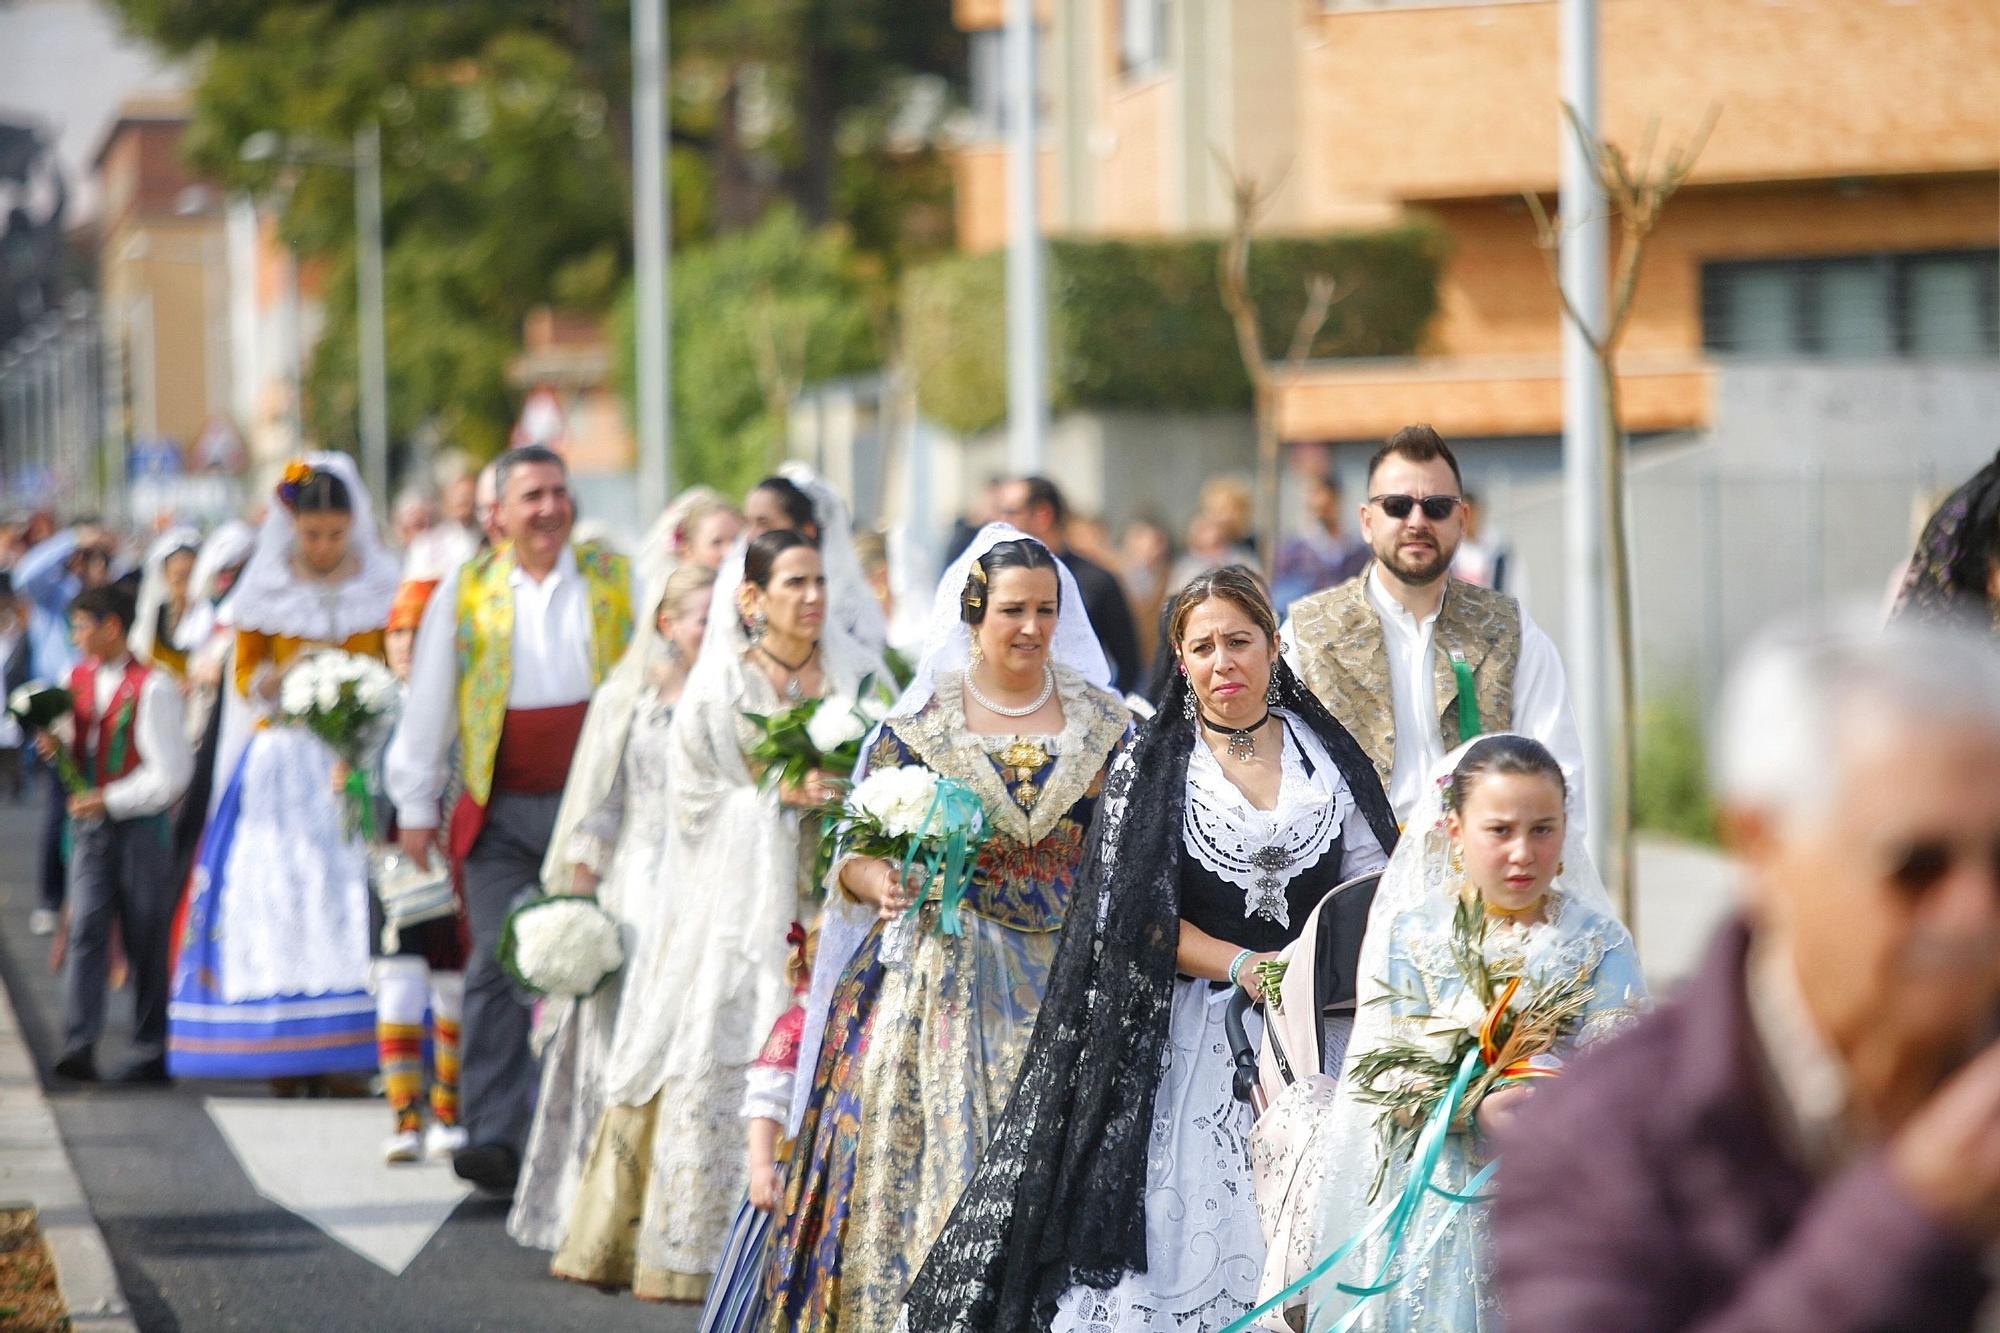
(119, 870)
(54, 873)
(499, 1074)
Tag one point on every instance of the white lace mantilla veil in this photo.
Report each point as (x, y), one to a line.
(727, 949)
(272, 599)
(153, 588)
(600, 749)
(269, 598)
(947, 647)
(228, 545)
(849, 597)
(1419, 882)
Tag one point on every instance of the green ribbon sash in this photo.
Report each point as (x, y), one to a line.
(1395, 1219)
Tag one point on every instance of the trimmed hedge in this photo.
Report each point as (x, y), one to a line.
(1140, 324)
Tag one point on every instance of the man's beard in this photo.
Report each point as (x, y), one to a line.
(1414, 571)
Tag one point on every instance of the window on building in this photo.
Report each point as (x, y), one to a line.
(1936, 304)
(1142, 35)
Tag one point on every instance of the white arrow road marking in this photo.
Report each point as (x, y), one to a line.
(323, 1161)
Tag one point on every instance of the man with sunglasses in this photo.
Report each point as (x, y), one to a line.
(1392, 652)
(1808, 1135)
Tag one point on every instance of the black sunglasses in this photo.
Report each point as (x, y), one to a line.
(1437, 508)
(1917, 868)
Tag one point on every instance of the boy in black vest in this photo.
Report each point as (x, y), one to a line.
(127, 736)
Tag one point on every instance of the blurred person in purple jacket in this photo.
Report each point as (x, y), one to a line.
(1808, 1135)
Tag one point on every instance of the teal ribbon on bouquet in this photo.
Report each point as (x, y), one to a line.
(360, 793)
(1395, 1219)
(946, 846)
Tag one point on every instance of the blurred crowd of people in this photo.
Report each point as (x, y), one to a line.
(1278, 931)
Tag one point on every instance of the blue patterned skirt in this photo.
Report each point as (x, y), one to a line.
(278, 1036)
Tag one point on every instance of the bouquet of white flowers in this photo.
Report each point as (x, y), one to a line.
(823, 734)
(348, 701)
(37, 706)
(561, 945)
(916, 817)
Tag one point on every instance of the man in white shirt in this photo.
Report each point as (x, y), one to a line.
(127, 739)
(511, 647)
(1412, 660)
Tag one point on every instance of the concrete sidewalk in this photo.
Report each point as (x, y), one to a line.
(1685, 892)
(35, 1169)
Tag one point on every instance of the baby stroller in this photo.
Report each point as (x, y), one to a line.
(1284, 1077)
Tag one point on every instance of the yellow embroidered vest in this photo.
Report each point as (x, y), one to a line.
(1346, 662)
(486, 645)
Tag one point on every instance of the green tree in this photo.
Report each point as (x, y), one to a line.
(758, 314)
(506, 136)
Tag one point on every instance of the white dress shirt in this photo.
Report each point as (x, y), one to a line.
(550, 668)
(1541, 697)
(165, 761)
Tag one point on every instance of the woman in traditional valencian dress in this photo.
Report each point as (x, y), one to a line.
(740, 855)
(1116, 1194)
(1493, 825)
(165, 597)
(927, 1030)
(611, 842)
(273, 969)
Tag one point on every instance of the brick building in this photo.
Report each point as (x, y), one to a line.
(1847, 205)
(1815, 346)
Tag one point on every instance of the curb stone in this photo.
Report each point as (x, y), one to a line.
(35, 1168)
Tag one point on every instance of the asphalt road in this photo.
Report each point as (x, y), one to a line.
(197, 1248)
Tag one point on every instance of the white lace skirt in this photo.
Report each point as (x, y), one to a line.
(294, 901)
(1204, 1246)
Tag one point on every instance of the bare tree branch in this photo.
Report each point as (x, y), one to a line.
(1319, 304)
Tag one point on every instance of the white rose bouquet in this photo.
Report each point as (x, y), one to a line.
(1506, 1025)
(915, 817)
(350, 702)
(561, 945)
(818, 735)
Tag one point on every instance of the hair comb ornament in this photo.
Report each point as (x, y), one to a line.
(975, 596)
(297, 473)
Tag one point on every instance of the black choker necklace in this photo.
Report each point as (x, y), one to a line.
(1242, 743)
(793, 690)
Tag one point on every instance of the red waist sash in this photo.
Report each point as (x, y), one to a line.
(536, 746)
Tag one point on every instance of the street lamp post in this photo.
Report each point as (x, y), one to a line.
(1027, 290)
(369, 309)
(653, 331)
(1581, 258)
(371, 335)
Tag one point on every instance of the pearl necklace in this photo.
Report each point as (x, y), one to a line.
(1048, 688)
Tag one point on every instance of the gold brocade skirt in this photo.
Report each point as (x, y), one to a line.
(949, 1032)
(658, 1192)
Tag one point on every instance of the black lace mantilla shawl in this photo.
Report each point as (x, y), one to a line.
(1947, 578)
(1058, 1199)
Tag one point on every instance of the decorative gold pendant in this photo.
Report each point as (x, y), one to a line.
(1024, 758)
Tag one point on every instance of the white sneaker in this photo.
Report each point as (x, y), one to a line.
(404, 1145)
(43, 921)
(444, 1140)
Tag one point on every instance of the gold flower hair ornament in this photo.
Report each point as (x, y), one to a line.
(297, 473)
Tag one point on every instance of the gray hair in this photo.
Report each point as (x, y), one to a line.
(1776, 739)
(523, 456)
